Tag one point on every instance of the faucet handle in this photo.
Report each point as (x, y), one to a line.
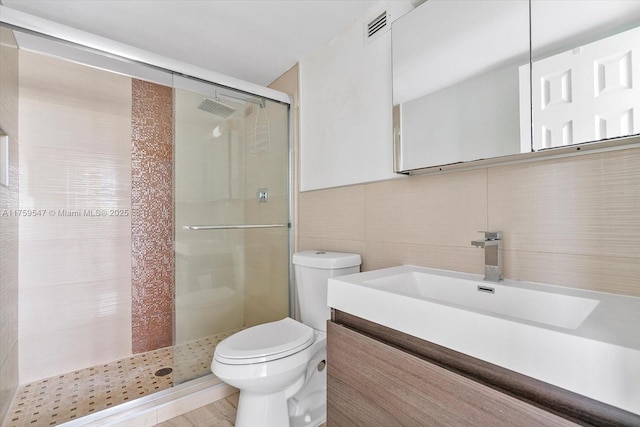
(492, 235)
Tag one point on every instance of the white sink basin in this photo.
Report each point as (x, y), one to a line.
(553, 309)
(583, 341)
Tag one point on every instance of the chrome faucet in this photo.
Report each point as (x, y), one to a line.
(492, 245)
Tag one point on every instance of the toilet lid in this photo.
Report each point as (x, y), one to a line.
(265, 342)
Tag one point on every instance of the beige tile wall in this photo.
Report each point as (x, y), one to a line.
(571, 222)
(75, 271)
(9, 224)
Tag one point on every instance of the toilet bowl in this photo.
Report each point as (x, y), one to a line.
(279, 367)
(267, 374)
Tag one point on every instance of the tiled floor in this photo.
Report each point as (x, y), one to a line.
(55, 400)
(217, 414)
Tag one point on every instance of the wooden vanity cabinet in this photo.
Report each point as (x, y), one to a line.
(380, 377)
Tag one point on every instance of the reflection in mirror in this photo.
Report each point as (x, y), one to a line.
(585, 72)
(455, 80)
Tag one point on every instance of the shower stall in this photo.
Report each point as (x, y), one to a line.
(149, 212)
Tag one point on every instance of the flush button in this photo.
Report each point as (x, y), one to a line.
(263, 195)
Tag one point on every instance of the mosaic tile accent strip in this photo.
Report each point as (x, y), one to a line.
(56, 400)
(152, 218)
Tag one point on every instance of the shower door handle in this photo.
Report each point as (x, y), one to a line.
(233, 226)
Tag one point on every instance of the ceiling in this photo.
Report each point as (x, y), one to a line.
(253, 40)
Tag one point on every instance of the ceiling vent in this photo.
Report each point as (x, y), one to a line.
(376, 27)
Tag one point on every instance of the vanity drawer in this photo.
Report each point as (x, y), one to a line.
(371, 383)
(378, 376)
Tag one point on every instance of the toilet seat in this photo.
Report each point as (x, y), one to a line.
(265, 342)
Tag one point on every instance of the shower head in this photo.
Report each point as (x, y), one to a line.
(216, 107)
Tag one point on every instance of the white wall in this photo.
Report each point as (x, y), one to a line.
(345, 114)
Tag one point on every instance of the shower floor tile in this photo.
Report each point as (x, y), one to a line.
(55, 400)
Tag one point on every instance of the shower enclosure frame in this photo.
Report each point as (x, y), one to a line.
(85, 48)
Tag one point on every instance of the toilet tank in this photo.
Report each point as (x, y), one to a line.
(312, 270)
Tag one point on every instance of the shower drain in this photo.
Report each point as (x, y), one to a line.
(162, 372)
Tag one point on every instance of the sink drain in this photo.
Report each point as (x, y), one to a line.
(162, 372)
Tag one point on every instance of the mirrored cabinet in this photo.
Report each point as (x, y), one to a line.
(494, 81)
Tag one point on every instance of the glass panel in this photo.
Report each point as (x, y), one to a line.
(231, 169)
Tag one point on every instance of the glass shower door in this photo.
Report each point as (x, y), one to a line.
(231, 188)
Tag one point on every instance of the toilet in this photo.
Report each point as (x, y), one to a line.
(279, 367)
